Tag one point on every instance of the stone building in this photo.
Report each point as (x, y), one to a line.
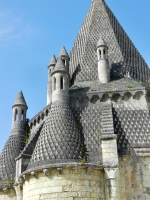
(92, 140)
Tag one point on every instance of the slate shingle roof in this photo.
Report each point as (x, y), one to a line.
(132, 125)
(11, 150)
(59, 140)
(123, 56)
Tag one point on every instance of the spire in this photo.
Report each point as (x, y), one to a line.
(20, 100)
(60, 66)
(101, 42)
(63, 52)
(52, 61)
(123, 55)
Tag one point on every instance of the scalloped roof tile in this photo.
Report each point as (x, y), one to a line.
(123, 56)
(59, 140)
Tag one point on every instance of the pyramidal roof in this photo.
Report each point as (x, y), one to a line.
(20, 100)
(123, 56)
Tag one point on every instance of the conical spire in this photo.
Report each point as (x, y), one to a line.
(20, 100)
(60, 66)
(63, 52)
(101, 42)
(52, 61)
(123, 55)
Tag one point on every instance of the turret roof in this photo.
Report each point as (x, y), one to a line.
(52, 61)
(59, 141)
(60, 66)
(101, 42)
(63, 52)
(20, 100)
(11, 150)
(123, 56)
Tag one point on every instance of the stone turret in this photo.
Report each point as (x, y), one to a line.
(49, 85)
(103, 62)
(14, 144)
(65, 57)
(19, 114)
(60, 81)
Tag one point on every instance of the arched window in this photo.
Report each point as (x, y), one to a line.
(16, 115)
(54, 83)
(61, 82)
(22, 116)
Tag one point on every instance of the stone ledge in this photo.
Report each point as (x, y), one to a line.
(106, 137)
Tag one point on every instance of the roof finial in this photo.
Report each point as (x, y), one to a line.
(20, 100)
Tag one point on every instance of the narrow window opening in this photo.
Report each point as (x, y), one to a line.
(100, 54)
(61, 82)
(22, 116)
(104, 51)
(54, 83)
(16, 115)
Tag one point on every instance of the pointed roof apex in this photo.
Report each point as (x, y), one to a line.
(101, 42)
(63, 52)
(52, 61)
(20, 100)
(60, 66)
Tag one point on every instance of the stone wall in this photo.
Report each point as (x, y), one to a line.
(134, 178)
(8, 194)
(70, 184)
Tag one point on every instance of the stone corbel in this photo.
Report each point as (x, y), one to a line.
(111, 173)
(25, 177)
(89, 169)
(46, 172)
(34, 174)
(75, 169)
(59, 169)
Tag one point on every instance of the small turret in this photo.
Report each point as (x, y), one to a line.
(103, 62)
(60, 82)
(49, 85)
(19, 114)
(65, 57)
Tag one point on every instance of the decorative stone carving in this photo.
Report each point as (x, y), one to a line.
(111, 173)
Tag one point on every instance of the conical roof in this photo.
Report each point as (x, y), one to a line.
(123, 55)
(101, 42)
(59, 141)
(63, 52)
(52, 61)
(60, 66)
(11, 150)
(20, 100)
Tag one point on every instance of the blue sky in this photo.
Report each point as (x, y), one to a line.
(32, 31)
